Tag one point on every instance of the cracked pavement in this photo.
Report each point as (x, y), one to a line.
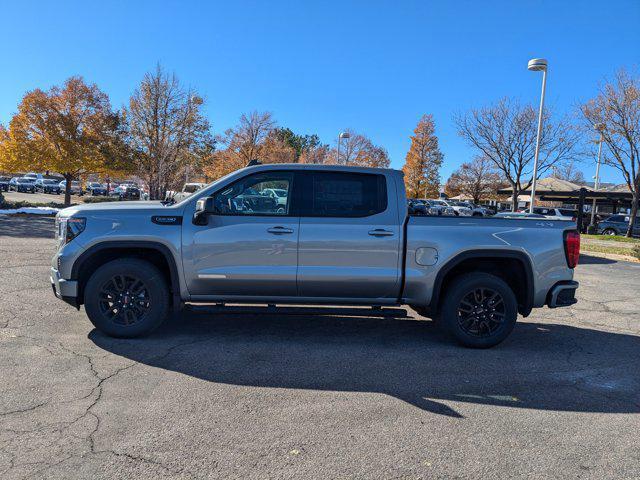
(300, 393)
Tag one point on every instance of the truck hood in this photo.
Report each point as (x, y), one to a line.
(114, 208)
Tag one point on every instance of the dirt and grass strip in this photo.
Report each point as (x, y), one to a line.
(611, 238)
(101, 199)
(602, 245)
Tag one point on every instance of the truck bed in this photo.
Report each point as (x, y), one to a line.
(434, 242)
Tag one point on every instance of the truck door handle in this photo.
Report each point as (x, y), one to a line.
(279, 230)
(379, 232)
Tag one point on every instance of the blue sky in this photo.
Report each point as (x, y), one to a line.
(324, 66)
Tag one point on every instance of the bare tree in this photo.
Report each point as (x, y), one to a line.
(505, 133)
(477, 179)
(247, 137)
(166, 129)
(358, 150)
(568, 171)
(350, 148)
(250, 140)
(617, 108)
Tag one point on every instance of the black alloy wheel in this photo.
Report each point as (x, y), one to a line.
(127, 297)
(479, 309)
(481, 312)
(124, 299)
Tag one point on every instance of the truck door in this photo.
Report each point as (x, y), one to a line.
(349, 242)
(249, 246)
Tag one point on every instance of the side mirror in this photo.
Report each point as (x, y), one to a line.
(204, 208)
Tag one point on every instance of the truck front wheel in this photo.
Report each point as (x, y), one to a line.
(479, 310)
(126, 298)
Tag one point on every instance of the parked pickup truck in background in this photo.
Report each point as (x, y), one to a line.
(187, 189)
(342, 236)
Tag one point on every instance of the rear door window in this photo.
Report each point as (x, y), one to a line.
(344, 194)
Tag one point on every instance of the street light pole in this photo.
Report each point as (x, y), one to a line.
(596, 185)
(342, 135)
(536, 65)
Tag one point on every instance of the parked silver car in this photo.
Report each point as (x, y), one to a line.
(76, 187)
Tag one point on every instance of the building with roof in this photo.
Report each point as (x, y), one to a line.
(608, 199)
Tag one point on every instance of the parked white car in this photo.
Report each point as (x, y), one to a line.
(280, 194)
(557, 213)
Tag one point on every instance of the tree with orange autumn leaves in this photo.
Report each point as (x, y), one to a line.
(69, 129)
(423, 161)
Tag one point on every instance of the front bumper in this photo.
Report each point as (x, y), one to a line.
(562, 294)
(66, 290)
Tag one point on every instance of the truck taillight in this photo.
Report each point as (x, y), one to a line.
(572, 247)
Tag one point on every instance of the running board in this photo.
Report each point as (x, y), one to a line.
(299, 310)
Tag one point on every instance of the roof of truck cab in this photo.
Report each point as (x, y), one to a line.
(313, 166)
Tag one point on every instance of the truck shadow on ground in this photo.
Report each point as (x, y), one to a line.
(592, 260)
(541, 366)
(27, 226)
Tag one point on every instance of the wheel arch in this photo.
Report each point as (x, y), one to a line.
(505, 264)
(154, 252)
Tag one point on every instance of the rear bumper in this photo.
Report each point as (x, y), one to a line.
(65, 290)
(562, 294)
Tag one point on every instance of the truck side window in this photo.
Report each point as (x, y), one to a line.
(337, 194)
(260, 194)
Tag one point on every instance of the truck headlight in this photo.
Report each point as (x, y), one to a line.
(70, 228)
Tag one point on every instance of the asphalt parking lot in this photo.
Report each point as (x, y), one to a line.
(302, 394)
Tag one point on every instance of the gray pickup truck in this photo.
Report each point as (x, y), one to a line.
(335, 235)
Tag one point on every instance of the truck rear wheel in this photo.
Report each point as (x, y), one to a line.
(479, 310)
(126, 298)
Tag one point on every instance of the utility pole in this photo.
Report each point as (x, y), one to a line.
(599, 127)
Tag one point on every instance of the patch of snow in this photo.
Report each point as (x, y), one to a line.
(31, 211)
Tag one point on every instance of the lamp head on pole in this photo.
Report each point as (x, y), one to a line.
(537, 65)
(344, 135)
(599, 127)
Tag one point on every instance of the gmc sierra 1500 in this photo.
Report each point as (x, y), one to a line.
(333, 235)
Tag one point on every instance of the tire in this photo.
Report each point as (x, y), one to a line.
(489, 322)
(609, 231)
(119, 281)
